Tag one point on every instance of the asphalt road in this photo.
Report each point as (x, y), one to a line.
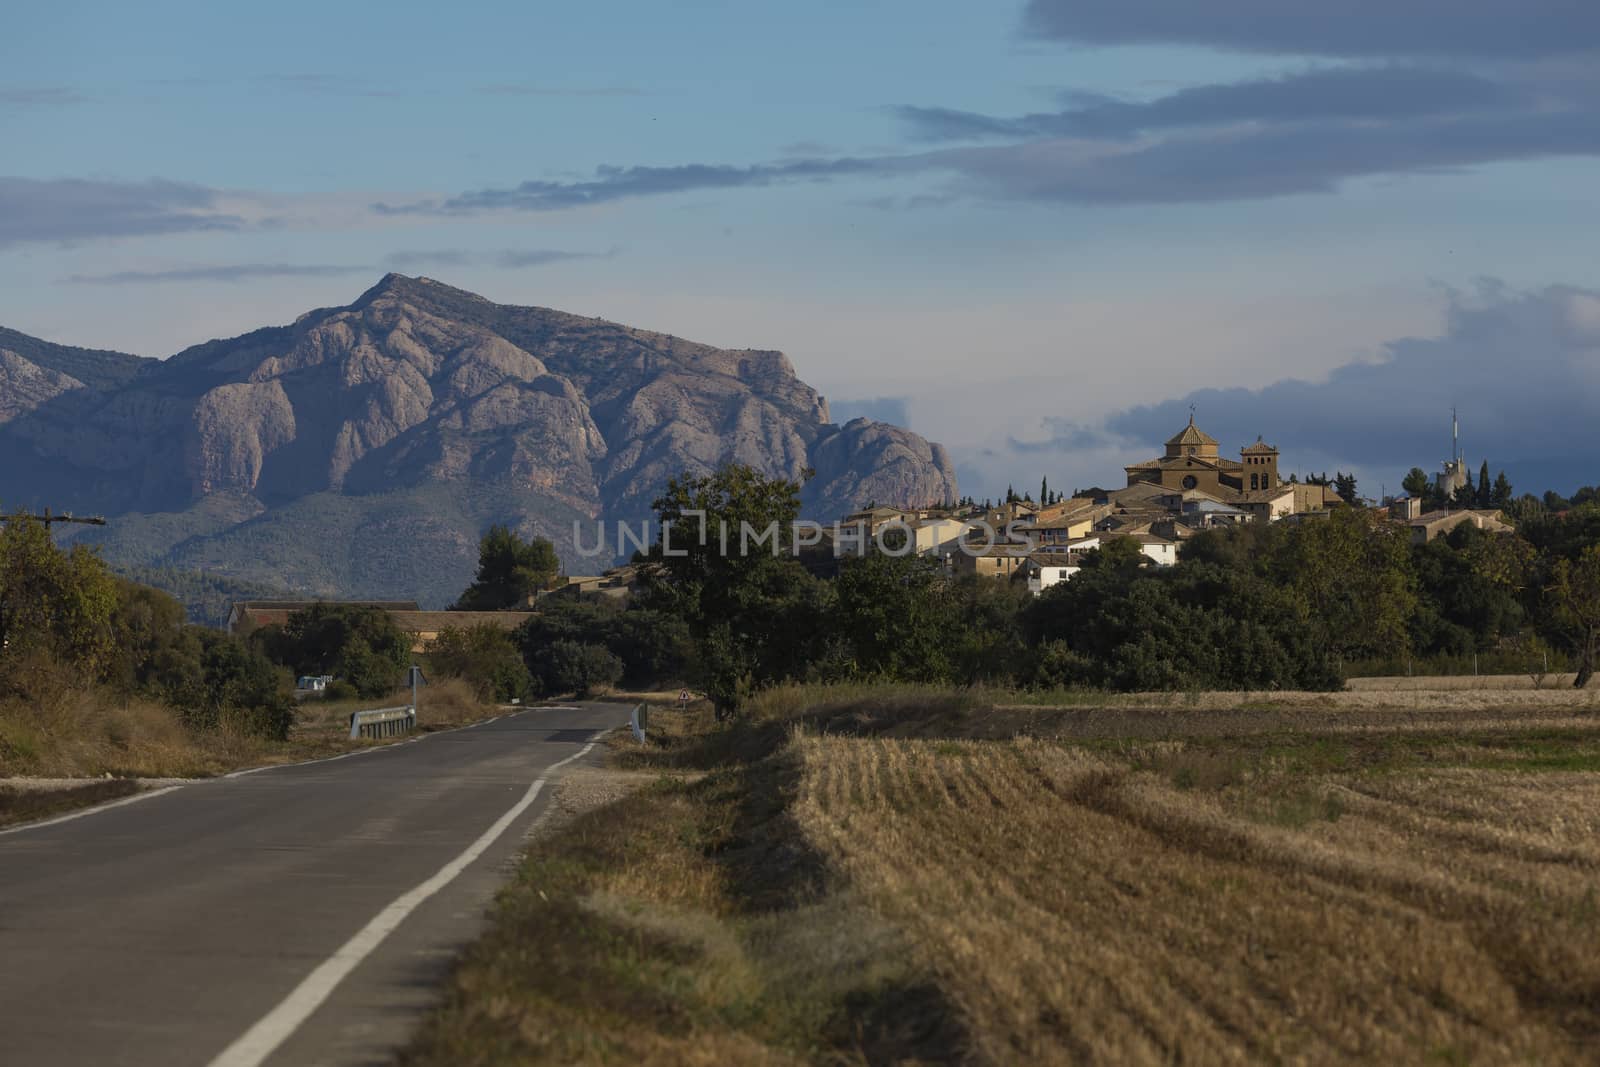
(294, 915)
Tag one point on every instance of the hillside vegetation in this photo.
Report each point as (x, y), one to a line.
(849, 875)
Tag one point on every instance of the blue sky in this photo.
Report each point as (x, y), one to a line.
(1034, 228)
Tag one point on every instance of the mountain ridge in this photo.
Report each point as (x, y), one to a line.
(417, 384)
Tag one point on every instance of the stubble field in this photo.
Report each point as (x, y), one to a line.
(909, 877)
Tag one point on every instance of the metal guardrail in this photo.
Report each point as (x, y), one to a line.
(640, 722)
(383, 722)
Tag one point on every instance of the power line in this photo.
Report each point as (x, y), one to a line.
(48, 518)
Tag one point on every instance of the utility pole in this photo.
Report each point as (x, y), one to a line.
(48, 519)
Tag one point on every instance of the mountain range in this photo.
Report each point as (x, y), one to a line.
(361, 450)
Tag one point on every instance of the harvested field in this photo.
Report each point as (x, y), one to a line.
(894, 875)
(1182, 904)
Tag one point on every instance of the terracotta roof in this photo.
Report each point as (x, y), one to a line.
(1168, 463)
(416, 622)
(1193, 435)
(1259, 447)
(301, 605)
(1262, 496)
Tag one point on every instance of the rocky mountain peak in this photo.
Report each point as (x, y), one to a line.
(418, 384)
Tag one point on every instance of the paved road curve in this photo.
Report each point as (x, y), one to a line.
(296, 915)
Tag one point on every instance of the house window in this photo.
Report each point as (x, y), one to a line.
(1266, 481)
(1190, 481)
(1254, 480)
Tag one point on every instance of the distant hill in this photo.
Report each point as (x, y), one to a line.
(206, 597)
(94, 367)
(362, 449)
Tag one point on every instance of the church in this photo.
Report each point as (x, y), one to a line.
(1193, 462)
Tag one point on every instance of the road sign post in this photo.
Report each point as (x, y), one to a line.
(414, 676)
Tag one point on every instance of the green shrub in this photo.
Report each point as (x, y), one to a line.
(486, 658)
(570, 667)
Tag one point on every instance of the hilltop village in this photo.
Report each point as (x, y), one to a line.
(1190, 487)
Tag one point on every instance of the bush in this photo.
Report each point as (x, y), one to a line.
(1056, 666)
(486, 658)
(655, 647)
(570, 667)
(360, 644)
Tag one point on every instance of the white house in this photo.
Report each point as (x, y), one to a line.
(1045, 570)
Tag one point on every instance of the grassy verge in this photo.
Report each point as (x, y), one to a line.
(689, 923)
(89, 734)
(861, 875)
(20, 806)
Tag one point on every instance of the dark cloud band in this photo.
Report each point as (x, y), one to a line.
(78, 209)
(1513, 29)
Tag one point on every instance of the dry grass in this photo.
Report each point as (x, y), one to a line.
(93, 733)
(900, 875)
(1482, 682)
(680, 926)
(26, 805)
(1208, 905)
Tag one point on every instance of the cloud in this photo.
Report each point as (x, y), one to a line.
(79, 209)
(1297, 133)
(515, 89)
(507, 259)
(891, 409)
(626, 183)
(20, 96)
(538, 257)
(1523, 367)
(1352, 28)
(1258, 162)
(1355, 93)
(236, 272)
(1062, 435)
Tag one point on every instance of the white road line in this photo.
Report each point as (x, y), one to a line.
(97, 809)
(274, 1028)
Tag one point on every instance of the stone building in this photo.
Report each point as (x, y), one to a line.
(1192, 461)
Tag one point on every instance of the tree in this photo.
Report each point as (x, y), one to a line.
(1574, 598)
(510, 571)
(145, 624)
(1524, 509)
(56, 607)
(486, 657)
(1500, 495)
(1353, 573)
(1555, 501)
(898, 617)
(580, 669)
(1485, 493)
(1044, 490)
(1345, 486)
(1415, 483)
(724, 566)
(362, 645)
(241, 689)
